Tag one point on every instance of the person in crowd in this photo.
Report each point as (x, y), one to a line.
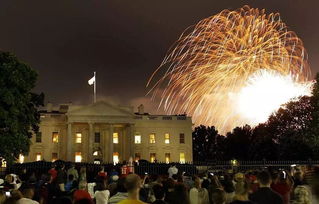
(241, 193)
(72, 171)
(101, 194)
(228, 187)
(2, 197)
(82, 192)
(132, 184)
(169, 186)
(71, 184)
(188, 181)
(53, 172)
(180, 194)
(27, 193)
(298, 179)
(301, 195)
(121, 192)
(114, 173)
(156, 179)
(82, 174)
(14, 197)
(12, 182)
(32, 179)
(102, 173)
(175, 178)
(218, 196)
(61, 177)
(84, 201)
(205, 183)
(159, 194)
(252, 180)
(146, 191)
(239, 177)
(172, 171)
(265, 195)
(215, 183)
(197, 194)
(283, 184)
(23, 175)
(60, 200)
(315, 183)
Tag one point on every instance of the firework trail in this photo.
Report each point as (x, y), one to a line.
(207, 68)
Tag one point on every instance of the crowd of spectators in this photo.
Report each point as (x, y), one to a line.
(60, 185)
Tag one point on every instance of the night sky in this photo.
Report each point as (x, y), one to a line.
(123, 41)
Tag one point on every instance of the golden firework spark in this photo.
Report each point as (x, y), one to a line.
(210, 65)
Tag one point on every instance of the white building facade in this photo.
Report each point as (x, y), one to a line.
(103, 132)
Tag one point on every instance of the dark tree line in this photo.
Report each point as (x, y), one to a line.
(292, 133)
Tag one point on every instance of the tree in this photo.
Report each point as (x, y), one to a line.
(237, 143)
(313, 132)
(263, 145)
(19, 117)
(204, 143)
(290, 127)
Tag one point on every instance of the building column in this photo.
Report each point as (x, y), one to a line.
(91, 141)
(123, 143)
(130, 134)
(111, 130)
(69, 143)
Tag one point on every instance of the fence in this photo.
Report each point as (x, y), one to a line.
(162, 168)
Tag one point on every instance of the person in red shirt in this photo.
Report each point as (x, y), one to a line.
(53, 172)
(283, 185)
(82, 193)
(102, 173)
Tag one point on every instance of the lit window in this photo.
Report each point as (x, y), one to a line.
(182, 138)
(152, 157)
(78, 137)
(116, 158)
(95, 153)
(182, 158)
(78, 157)
(55, 137)
(54, 157)
(115, 138)
(97, 161)
(38, 137)
(38, 156)
(97, 137)
(166, 138)
(21, 158)
(152, 138)
(137, 138)
(137, 157)
(167, 157)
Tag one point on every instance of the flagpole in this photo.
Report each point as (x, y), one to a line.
(94, 100)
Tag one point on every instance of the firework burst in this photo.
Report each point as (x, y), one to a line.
(207, 69)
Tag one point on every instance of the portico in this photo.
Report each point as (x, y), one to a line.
(104, 130)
